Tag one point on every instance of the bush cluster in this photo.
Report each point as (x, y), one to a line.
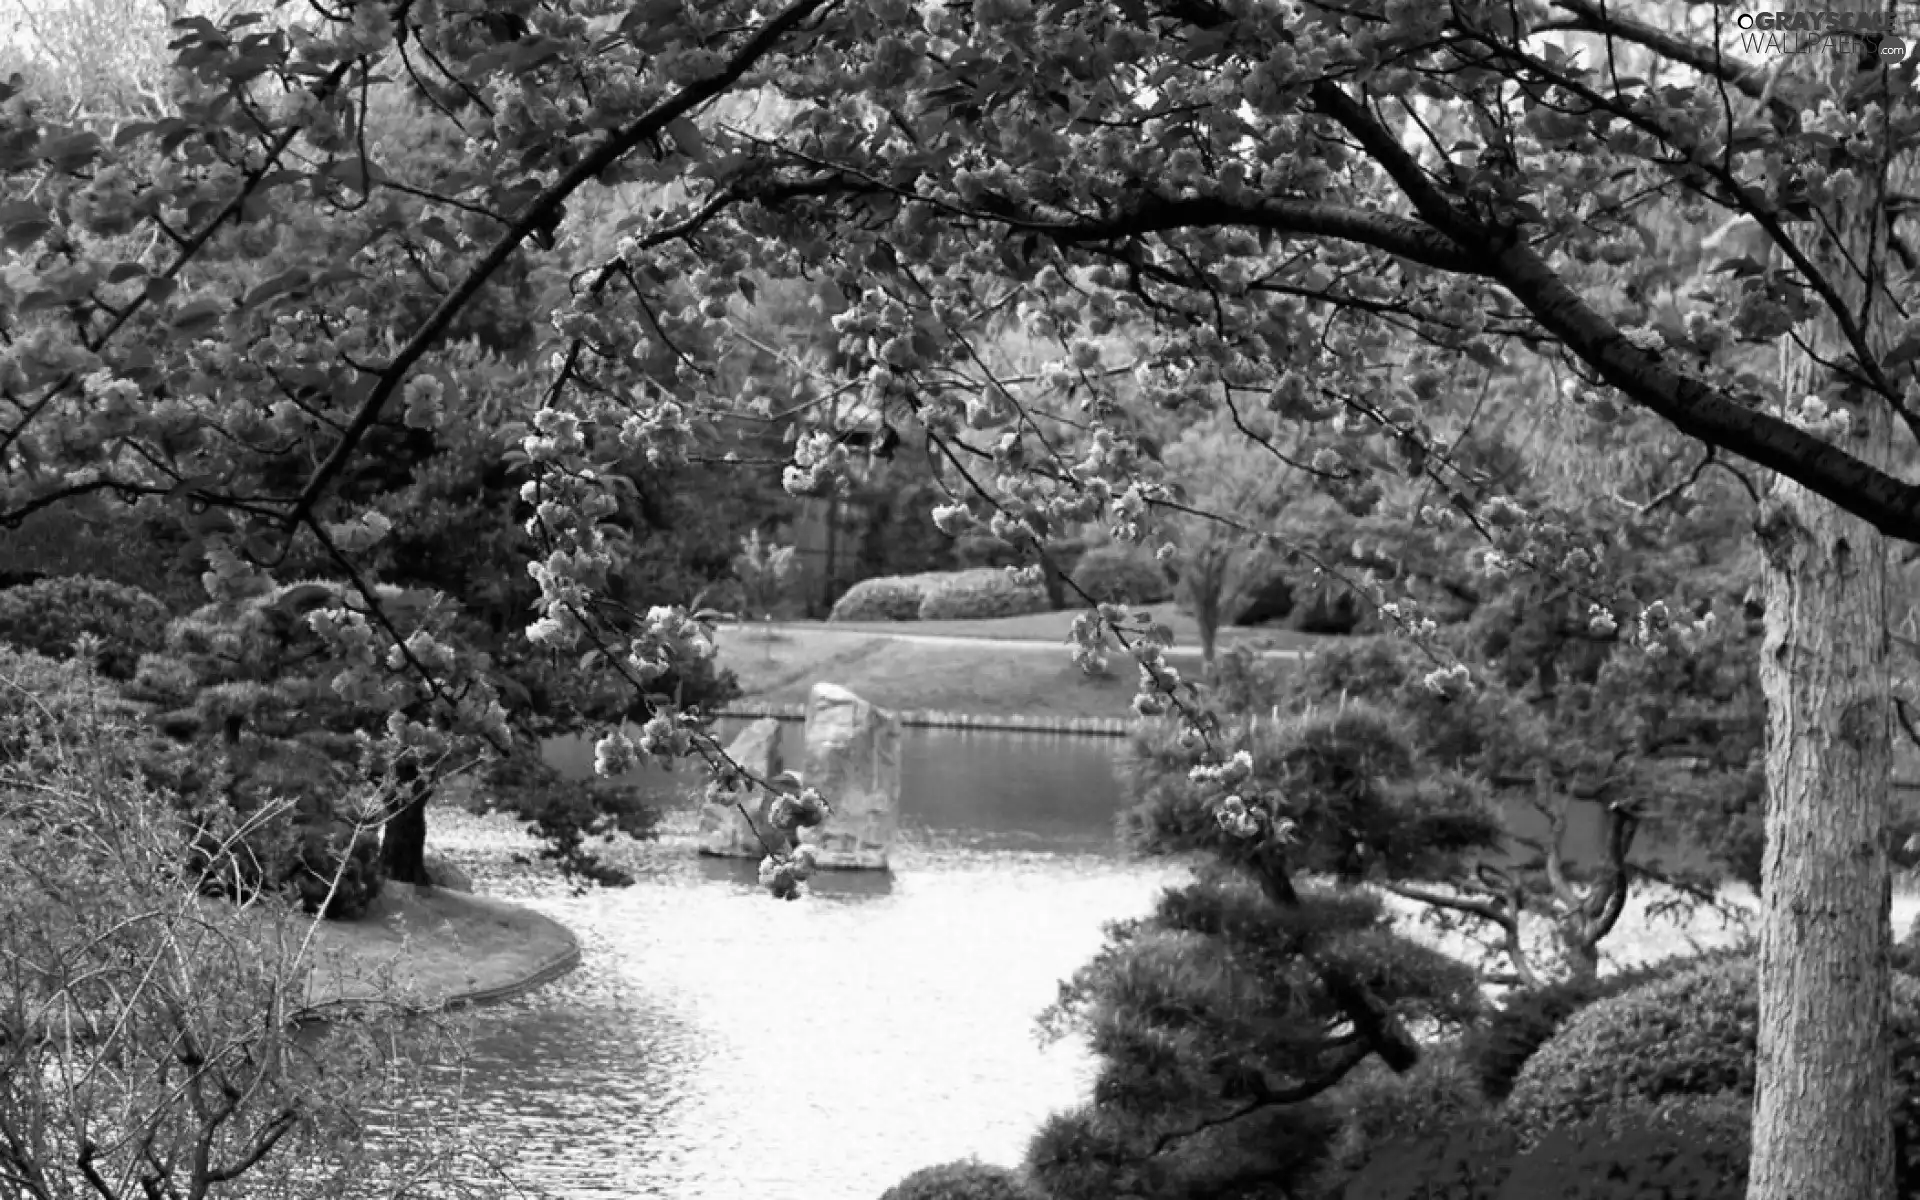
(1496, 1050)
(1693, 1034)
(979, 594)
(967, 1179)
(49, 616)
(883, 598)
(1690, 1149)
(1119, 574)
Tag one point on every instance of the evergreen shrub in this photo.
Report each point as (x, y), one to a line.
(49, 616)
(979, 594)
(967, 1179)
(1121, 574)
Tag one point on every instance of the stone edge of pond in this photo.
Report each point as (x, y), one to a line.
(932, 719)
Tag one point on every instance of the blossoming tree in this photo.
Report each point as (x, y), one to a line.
(1319, 209)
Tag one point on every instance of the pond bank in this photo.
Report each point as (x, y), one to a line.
(434, 949)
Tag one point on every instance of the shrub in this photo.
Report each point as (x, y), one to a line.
(1118, 574)
(1688, 1149)
(1495, 1051)
(1468, 1162)
(1383, 1107)
(49, 616)
(967, 1179)
(1694, 1034)
(979, 594)
(884, 598)
(1692, 1149)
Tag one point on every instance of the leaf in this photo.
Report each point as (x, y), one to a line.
(286, 281)
(687, 136)
(198, 316)
(304, 598)
(746, 288)
(71, 152)
(123, 272)
(160, 288)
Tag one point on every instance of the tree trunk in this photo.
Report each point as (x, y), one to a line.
(1822, 1128)
(403, 839)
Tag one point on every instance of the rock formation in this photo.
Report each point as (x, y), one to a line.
(723, 831)
(853, 758)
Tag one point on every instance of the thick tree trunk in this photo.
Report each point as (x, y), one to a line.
(1822, 1128)
(403, 840)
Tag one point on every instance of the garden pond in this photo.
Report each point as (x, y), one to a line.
(716, 1044)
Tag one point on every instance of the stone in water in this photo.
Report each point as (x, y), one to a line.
(723, 831)
(853, 758)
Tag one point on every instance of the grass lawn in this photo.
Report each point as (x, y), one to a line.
(1034, 680)
(1054, 626)
(905, 675)
(431, 946)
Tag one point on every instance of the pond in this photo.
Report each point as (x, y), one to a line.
(716, 1044)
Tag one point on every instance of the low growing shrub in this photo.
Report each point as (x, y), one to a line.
(883, 598)
(1692, 1034)
(1496, 1050)
(967, 1179)
(979, 594)
(1118, 574)
(49, 616)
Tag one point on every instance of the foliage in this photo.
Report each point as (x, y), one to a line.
(767, 574)
(1218, 540)
(568, 814)
(1498, 1048)
(1120, 574)
(979, 594)
(884, 598)
(144, 1032)
(1212, 1021)
(1693, 1033)
(49, 615)
(1689, 1149)
(1380, 1108)
(1344, 780)
(967, 1179)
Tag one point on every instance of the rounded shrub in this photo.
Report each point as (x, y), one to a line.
(1495, 1050)
(49, 616)
(1692, 1034)
(1468, 1161)
(967, 1179)
(1382, 1107)
(883, 598)
(980, 594)
(1119, 574)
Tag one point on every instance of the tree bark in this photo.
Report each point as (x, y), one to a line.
(1822, 1126)
(403, 839)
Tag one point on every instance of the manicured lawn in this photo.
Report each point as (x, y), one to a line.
(1039, 681)
(426, 947)
(1054, 626)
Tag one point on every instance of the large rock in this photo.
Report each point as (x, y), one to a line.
(723, 831)
(853, 759)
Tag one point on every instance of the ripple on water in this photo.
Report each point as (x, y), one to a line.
(716, 1045)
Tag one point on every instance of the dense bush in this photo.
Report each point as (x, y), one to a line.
(967, 1179)
(49, 616)
(1689, 1149)
(1383, 1107)
(885, 598)
(568, 813)
(1118, 574)
(980, 594)
(1693, 1033)
(1495, 1051)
